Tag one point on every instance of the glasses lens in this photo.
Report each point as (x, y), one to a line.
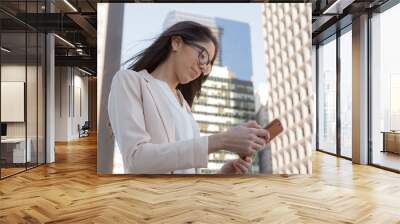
(203, 57)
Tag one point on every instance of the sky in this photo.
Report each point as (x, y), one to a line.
(143, 21)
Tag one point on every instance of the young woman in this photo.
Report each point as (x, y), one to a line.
(149, 108)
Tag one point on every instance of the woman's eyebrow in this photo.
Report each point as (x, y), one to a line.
(201, 47)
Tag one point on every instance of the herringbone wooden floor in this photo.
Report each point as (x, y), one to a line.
(70, 191)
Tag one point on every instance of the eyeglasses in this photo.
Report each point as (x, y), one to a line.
(203, 57)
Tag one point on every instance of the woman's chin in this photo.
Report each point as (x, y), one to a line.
(187, 80)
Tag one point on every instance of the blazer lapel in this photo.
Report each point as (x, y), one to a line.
(164, 114)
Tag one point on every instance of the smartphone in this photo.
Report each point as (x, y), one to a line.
(274, 128)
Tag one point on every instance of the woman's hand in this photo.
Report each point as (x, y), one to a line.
(237, 166)
(251, 124)
(244, 140)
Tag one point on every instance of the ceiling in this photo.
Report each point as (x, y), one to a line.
(75, 21)
(332, 15)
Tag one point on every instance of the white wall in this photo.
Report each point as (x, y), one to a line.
(61, 103)
(12, 73)
(12, 99)
(33, 126)
(79, 117)
(70, 83)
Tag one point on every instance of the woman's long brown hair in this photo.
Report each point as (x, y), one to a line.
(159, 50)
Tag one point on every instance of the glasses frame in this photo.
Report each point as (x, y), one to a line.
(202, 50)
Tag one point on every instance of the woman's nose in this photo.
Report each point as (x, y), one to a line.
(203, 68)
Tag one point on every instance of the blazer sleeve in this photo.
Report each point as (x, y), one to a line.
(139, 155)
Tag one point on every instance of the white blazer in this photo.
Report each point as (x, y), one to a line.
(144, 131)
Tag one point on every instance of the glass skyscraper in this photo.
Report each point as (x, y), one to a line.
(224, 102)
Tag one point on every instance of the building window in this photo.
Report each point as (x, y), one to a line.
(385, 89)
(327, 96)
(346, 93)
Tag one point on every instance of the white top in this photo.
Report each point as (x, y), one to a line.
(144, 128)
(185, 125)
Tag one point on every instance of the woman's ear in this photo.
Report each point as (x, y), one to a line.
(176, 43)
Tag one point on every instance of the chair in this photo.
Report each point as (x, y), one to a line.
(84, 130)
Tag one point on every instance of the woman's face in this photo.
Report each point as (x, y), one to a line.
(191, 59)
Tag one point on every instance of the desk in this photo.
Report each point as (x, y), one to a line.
(13, 150)
(391, 141)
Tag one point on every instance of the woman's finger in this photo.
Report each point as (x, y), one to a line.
(256, 147)
(242, 167)
(247, 162)
(237, 168)
(267, 137)
(260, 132)
(260, 141)
(248, 159)
(253, 124)
(247, 152)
